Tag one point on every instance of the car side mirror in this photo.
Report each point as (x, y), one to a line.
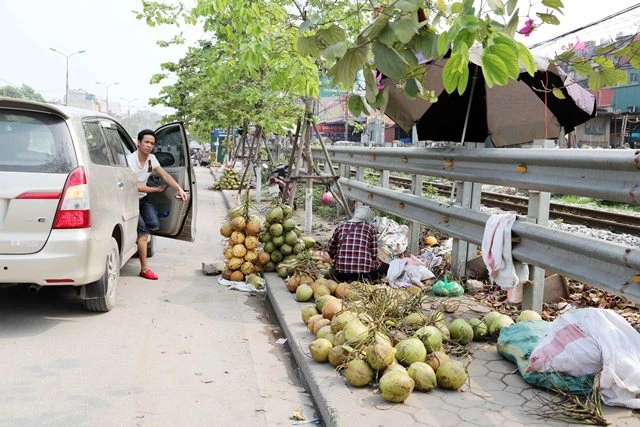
(165, 159)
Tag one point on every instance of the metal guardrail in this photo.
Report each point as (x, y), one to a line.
(603, 174)
(608, 266)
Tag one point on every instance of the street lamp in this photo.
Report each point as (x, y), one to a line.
(107, 88)
(66, 91)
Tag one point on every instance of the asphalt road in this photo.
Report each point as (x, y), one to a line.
(180, 351)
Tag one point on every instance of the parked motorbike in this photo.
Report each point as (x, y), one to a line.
(278, 184)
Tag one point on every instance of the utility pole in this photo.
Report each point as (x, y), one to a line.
(106, 86)
(66, 85)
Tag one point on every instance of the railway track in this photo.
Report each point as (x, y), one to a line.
(613, 221)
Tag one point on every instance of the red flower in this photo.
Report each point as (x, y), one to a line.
(528, 28)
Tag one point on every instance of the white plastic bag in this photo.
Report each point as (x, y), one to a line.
(588, 340)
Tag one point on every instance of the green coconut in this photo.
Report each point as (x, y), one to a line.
(324, 331)
(380, 355)
(480, 329)
(437, 358)
(339, 321)
(423, 375)
(331, 338)
(395, 386)
(304, 293)
(320, 349)
(451, 375)
(498, 324)
(339, 338)
(275, 215)
(395, 366)
(431, 337)
(358, 373)
(309, 242)
(308, 311)
(414, 320)
(490, 317)
(355, 332)
(461, 331)
(527, 315)
(339, 355)
(320, 301)
(410, 350)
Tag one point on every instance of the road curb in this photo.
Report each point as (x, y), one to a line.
(331, 394)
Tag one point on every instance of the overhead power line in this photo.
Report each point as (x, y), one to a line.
(584, 27)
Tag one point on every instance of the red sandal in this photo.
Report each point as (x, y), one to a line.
(148, 274)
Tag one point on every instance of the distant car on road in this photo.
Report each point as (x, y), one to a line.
(69, 202)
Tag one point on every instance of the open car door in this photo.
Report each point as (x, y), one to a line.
(177, 218)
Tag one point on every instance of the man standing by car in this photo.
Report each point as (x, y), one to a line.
(143, 163)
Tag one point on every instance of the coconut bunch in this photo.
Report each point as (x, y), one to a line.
(375, 333)
(242, 252)
(230, 180)
(281, 237)
(306, 263)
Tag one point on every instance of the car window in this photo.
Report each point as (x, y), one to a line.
(117, 146)
(98, 151)
(35, 142)
(170, 141)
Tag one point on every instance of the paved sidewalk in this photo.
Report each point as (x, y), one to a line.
(496, 396)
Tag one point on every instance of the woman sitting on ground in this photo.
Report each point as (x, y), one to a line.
(353, 247)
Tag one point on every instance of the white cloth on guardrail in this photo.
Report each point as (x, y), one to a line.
(591, 340)
(496, 252)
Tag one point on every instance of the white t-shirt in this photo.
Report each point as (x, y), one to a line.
(142, 171)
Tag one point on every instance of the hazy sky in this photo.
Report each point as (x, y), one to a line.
(121, 49)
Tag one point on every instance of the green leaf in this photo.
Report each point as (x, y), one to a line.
(584, 68)
(311, 22)
(553, 4)
(603, 62)
(605, 78)
(405, 27)
(548, 18)
(389, 61)
(470, 22)
(566, 56)
(463, 81)
(497, 6)
(526, 59)
(356, 105)
(388, 36)
(512, 25)
(429, 46)
(511, 6)
(558, 93)
(413, 88)
(344, 70)
(442, 7)
(407, 5)
(329, 36)
(382, 100)
(456, 67)
(442, 44)
(508, 56)
(457, 7)
(376, 27)
(494, 69)
(371, 85)
(335, 51)
(307, 46)
(604, 49)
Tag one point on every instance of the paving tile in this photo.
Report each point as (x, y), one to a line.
(482, 417)
(498, 375)
(477, 369)
(489, 354)
(501, 366)
(437, 418)
(464, 400)
(392, 417)
(407, 408)
(511, 389)
(490, 384)
(515, 380)
(506, 399)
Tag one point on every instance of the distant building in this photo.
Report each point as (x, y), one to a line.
(80, 98)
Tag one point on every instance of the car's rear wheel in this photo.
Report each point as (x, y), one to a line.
(108, 282)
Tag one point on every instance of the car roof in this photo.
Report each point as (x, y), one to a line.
(41, 107)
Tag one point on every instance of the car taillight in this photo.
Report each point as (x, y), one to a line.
(73, 209)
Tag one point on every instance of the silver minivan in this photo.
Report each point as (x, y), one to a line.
(68, 200)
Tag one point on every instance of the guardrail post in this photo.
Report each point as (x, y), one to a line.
(359, 178)
(468, 196)
(343, 170)
(384, 178)
(414, 226)
(533, 291)
(257, 194)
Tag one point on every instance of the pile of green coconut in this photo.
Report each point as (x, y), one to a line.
(382, 335)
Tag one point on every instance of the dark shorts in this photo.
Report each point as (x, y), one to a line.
(343, 276)
(148, 219)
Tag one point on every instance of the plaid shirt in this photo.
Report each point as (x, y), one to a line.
(354, 248)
